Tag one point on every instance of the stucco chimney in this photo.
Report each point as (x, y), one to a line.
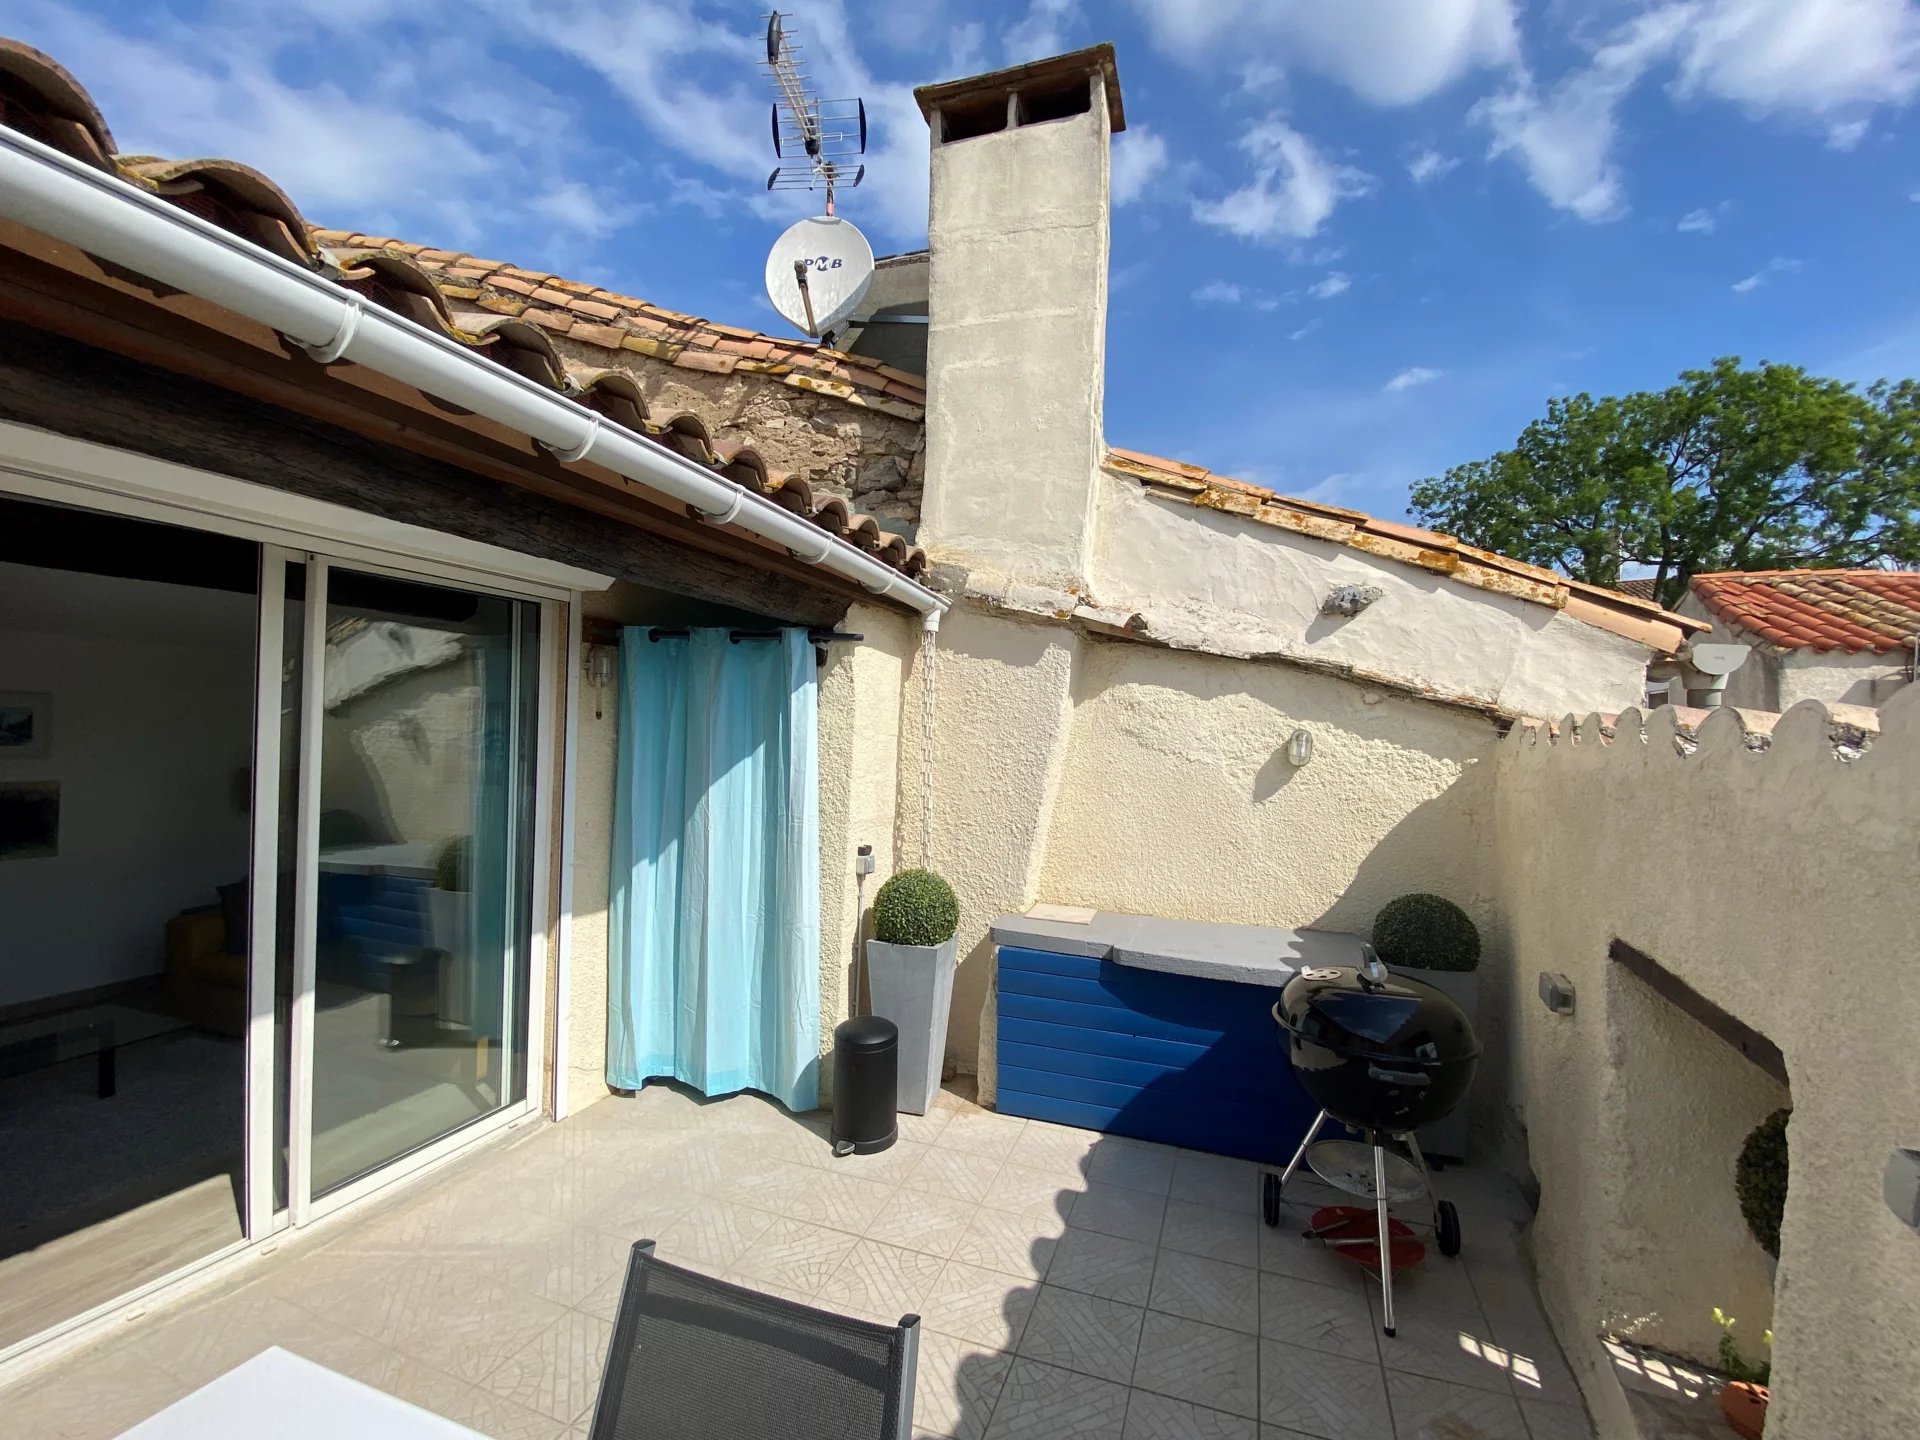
(1017, 299)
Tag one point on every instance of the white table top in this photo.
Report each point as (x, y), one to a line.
(277, 1395)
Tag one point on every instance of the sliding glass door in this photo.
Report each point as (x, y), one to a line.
(409, 756)
(274, 827)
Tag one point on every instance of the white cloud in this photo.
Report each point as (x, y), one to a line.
(1563, 136)
(1429, 165)
(1413, 375)
(1139, 156)
(1333, 284)
(583, 210)
(1779, 265)
(1798, 55)
(1697, 222)
(1230, 292)
(1293, 191)
(1305, 330)
(1844, 135)
(359, 156)
(966, 43)
(1825, 61)
(1388, 52)
(1042, 32)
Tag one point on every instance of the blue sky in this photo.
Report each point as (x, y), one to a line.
(1353, 243)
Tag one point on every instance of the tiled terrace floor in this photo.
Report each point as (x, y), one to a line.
(1070, 1285)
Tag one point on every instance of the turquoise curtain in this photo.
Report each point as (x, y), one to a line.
(714, 912)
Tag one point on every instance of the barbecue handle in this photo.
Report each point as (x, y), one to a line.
(1412, 1079)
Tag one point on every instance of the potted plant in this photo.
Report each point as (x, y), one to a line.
(1743, 1400)
(1429, 938)
(449, 912)
(1760, 1180)
(910, 974)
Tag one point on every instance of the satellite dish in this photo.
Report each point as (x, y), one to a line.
(1718, 659)
(818, 273)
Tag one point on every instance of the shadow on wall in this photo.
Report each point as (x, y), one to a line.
(1443, 847)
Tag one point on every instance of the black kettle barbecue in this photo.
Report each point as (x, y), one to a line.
(1384, 1055)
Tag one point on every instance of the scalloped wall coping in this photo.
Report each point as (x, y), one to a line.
(1851, 730)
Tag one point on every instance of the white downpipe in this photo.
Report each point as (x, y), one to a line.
(120, 223)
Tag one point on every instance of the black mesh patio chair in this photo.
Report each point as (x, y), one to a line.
(693, 1358)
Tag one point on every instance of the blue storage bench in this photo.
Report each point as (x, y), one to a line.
(1156, 1029)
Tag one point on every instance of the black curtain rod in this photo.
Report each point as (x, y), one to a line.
(816, 637)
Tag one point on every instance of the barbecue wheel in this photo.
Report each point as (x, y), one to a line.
(1270, 1199)
(1446, 1229)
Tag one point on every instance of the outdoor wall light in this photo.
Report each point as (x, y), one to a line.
(1556, 992)
(600, 667)
(1299, 748)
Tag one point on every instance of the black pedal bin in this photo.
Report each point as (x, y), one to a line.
(866, 1085)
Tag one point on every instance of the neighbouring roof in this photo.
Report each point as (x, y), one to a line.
(40, 99)
(1644, 589)
(1849, 610)
(1623, 614)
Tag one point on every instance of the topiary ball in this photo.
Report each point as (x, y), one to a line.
(1760, 1180)
(915, 907)
(1426, 932)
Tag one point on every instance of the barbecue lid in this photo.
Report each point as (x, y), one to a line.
(1372, 1014)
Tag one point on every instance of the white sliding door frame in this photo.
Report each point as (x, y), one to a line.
(306, 895)
(40, 465)
(262, 1158)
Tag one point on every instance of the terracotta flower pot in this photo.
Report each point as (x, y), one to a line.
(1745, 1407)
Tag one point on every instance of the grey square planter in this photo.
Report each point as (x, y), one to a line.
(912, 985)
(1448, 1135)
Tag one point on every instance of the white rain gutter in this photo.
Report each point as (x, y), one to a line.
(125, 225)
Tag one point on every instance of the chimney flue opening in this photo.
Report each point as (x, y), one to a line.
(1055, 102)
(971, 118)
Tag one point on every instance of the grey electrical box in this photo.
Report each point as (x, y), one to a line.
(1556, 992)
(863, 860)
(1903, 1186)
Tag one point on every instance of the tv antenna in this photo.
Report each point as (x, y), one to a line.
(819, 135)
(819, 270)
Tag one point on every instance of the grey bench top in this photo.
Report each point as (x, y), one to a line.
(1249, 954)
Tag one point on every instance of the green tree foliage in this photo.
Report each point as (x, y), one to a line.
(1733, 468)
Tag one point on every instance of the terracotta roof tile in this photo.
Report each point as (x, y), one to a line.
(854, 378)
(1851, 610)
(1407, 544)
(494, 318)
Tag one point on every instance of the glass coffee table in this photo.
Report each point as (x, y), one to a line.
(98, 1030)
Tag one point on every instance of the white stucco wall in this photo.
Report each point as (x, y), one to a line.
(1106, 773)
(1002, 717)
(1177, 797)
(1210, 580)
(1016, 347)
(1835, 678)
(1780, 886)
(861, 691)
(586, 1000)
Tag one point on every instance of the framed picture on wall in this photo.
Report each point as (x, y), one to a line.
(26, 725)
(29, 819)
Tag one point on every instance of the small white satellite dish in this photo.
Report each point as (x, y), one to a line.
(818, 272)
(1718, 659)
